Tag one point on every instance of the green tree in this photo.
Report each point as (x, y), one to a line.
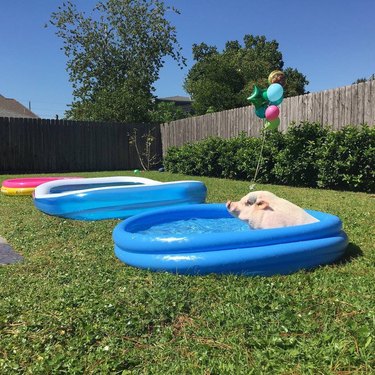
(219, 81)
(115, 55)
(360, 80)
(166, 112)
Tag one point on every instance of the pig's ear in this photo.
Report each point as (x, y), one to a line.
(262, 204)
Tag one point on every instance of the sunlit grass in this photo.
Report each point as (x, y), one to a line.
(72, 307)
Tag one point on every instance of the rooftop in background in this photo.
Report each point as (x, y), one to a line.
(12, 108)
(181, 101)
(176, 99)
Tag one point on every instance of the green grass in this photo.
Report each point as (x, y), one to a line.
(72, 308)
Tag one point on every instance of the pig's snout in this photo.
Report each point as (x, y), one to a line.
(228, 204)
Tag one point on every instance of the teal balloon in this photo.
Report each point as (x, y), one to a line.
(261, 112)
(272, 125)
(277, 102)
(275, 92)
(259, 102)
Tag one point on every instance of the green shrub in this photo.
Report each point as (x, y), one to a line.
(347, 159)
(180, 159)
(201, 159)
(296, 163)
(309, 154)
(248, 154)
(234, 158)
(246, 158)
(213, 156)
(275, 142)
(218, 155)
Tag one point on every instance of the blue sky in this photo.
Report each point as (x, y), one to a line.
(331, 42)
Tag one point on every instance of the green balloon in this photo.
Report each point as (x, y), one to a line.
(257, 93)
(272, 125)
(264, 94)
(258, 98)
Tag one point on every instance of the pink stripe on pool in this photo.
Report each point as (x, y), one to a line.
(31, 182)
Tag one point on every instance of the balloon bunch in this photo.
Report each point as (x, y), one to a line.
(266, 101)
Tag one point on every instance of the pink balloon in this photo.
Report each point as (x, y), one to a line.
(272, 112)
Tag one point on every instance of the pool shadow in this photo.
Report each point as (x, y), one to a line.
(8, 255)
(351, 252)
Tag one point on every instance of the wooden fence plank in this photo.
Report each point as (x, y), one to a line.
(353, 104)
(38, 145)
(368, 103)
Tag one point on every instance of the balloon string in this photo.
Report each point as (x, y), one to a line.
(260, 158)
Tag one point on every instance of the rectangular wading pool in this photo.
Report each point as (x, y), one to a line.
(114, 197)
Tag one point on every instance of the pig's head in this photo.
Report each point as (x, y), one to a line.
(263, 209)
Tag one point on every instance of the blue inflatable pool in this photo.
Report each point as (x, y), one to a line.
(203, 239)
(113, 197)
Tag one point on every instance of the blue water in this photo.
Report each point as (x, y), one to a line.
(93, 185)
(196, 226)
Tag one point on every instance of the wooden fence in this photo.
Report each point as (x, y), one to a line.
(354, 105)
(36, 145)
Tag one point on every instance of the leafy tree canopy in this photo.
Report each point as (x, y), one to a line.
(220, 81)
(360, 80)
(166, 112)
(114, 56)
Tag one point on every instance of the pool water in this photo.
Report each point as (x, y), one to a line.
(73, 187)
(196, 226)
(203, 238)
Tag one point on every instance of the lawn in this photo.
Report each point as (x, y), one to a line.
(72, 308)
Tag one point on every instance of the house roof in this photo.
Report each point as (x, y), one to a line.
(12, 108)
(176, 99)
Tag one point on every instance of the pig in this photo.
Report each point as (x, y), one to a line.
(264, 210)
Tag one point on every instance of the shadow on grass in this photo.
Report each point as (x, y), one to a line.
(351, 252)
(8, 255)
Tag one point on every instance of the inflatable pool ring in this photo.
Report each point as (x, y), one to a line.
(151, 241)
(113, 197)
(26, 185)
(17, 191)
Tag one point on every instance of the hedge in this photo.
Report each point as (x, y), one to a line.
(308, 154)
